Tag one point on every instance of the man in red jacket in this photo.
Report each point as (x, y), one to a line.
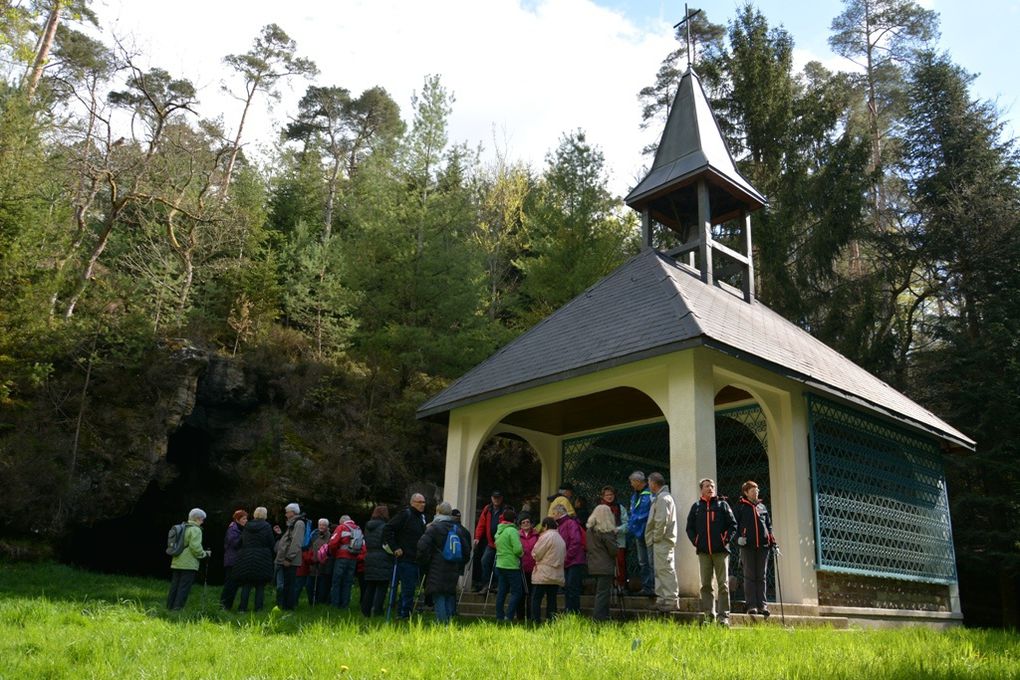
(485, 530)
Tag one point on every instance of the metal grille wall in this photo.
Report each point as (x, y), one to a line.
(741, 453)
(592, 461)
(880, 498)
(741, 450)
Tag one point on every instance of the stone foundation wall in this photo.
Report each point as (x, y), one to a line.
(850, 590)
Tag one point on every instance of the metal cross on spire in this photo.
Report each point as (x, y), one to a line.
(686, 22)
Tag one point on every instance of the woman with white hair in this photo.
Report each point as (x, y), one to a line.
(254, 568)
(602, 557)
(184, 567)
(288, 555)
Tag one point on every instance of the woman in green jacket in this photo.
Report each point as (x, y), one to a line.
(184, 567)
(508, 564)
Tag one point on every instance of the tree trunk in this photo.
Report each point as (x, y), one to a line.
(90, 268)
(42, 56)
(331, 200)
(237, 141)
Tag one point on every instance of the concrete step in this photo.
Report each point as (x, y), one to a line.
(637, 603)
(629, 608)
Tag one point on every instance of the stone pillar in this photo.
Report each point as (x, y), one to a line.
(792, 501)
(461, 467)
(690, 414)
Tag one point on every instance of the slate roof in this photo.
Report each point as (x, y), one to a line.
(692, 144)
(653, 305)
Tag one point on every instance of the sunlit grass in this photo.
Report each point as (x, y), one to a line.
(56, 622)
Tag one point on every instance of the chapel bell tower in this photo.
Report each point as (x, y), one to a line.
(694, 187)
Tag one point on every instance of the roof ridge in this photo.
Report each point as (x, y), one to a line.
(522, 337)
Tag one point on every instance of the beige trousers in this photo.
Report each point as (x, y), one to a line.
(664, 563)
(714, 565)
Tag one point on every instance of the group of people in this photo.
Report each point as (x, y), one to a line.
(713, 528)
(524, 562)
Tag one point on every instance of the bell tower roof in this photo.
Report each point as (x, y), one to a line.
(692, 148)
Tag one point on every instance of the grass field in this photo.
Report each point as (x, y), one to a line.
(56, 622)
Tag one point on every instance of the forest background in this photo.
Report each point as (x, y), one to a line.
(183, 324)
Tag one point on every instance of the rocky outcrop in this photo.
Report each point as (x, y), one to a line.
(79, 453)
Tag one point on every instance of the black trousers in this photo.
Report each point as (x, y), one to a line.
(287, 598)
(181, 581)
(538, 592)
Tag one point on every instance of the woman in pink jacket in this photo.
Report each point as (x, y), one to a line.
(547, 577)
(529, 537)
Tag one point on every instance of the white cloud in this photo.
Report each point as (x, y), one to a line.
(531, 70)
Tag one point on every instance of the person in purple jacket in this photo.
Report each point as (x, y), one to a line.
(573, 564)
(231, 549)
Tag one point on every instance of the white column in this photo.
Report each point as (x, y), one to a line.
(792, 499)
(691, 417)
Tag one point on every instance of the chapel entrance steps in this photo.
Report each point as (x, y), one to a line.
(473, 605)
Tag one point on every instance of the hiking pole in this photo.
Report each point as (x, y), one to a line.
(393, 592)
(418, 592)
(468, 573)
(620, 597)
(779, 584)
(487, 589)
(205, 581)
(526, 601)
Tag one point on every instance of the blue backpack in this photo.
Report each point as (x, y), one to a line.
(453, 549)
(309, 533)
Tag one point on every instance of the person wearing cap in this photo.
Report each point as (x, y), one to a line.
(640, 506)
(661, 533)
(580, 507)
(485, 531)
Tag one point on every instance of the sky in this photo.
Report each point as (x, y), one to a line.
(523, 72)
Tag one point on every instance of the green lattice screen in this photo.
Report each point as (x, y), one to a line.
(741, 450)
(741, 453)
(592, 461)
(880, 498)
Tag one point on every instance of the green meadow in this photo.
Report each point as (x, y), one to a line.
(56, 622)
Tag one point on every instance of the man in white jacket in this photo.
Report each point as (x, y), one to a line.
(660, 537)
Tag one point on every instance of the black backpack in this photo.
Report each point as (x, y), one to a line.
(175, 539)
